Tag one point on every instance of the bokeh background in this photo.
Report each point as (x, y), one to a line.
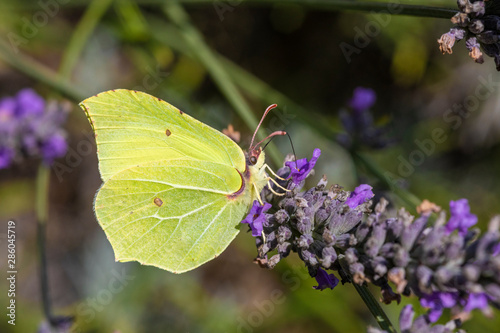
(224, 62)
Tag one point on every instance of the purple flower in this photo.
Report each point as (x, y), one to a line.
(406, 318)
(461, 219)
(6, 156)
(256, 217)
(7, 108)
(29, 127)
(325, 280)
(29, 103)
(476, 301)
(437, 301)
(360, 195)
(496, 250)
(301, 168)
(362, 99)
(55, 146)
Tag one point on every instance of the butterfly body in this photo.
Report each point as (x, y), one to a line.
(174, 189)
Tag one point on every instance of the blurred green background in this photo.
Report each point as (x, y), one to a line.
(225, 62)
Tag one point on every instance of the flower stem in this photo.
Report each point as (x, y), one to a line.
(370, 301)
(39, 71)
(394, 8)
(42, 193)
(87, 24)
(328, 5)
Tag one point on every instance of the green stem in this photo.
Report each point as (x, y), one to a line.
(394, 8)
(194, 40)
(42, 193)
(81, 34)
(370, 301)
(38, 71)
(330, 5)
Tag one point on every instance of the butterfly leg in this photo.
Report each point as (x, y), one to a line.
(269, 180)
(258, 194)
(272, 172)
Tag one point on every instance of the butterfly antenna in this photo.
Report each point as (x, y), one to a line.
(269, 108)
(291, 144)
(272, 135)
(293, 150)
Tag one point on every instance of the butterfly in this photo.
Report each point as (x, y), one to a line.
(174, 189)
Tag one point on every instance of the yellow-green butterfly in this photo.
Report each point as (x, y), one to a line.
(175, 189)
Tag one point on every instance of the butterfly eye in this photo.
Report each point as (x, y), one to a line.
(253, 160)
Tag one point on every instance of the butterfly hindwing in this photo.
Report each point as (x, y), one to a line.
(173, 214)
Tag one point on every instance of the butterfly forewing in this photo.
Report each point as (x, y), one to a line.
(133, 128)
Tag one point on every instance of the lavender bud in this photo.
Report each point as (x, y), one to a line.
(328, 237)
(281, 216)
(376, 240)
(304, 225)
(284, 234)
(305, 241)
(321, 216)
(476, 26)
(351, 256)
(397, 276)
(308, 257)
(273, 261)
(444, 275)
(423, 275)
(284, 249)
(406, 318)
(401, 256)
(410, 233)
(329, 256)
(471, 272)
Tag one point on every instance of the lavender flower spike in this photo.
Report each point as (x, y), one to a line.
(30, 127)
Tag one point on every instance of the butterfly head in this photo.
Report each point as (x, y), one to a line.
(253, 155)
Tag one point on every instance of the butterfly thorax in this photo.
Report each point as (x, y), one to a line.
(255, 176)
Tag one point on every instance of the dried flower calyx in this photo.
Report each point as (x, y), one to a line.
(478, 22)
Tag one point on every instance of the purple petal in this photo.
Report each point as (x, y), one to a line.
(325, 280)
(461, 219)
(406, 318)
(476, 301)
(360, 195)
(7, 108)
(300, 169)
(362, 99)
(29, 103)
(256, 217)
(6, 156)
(55, 146)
